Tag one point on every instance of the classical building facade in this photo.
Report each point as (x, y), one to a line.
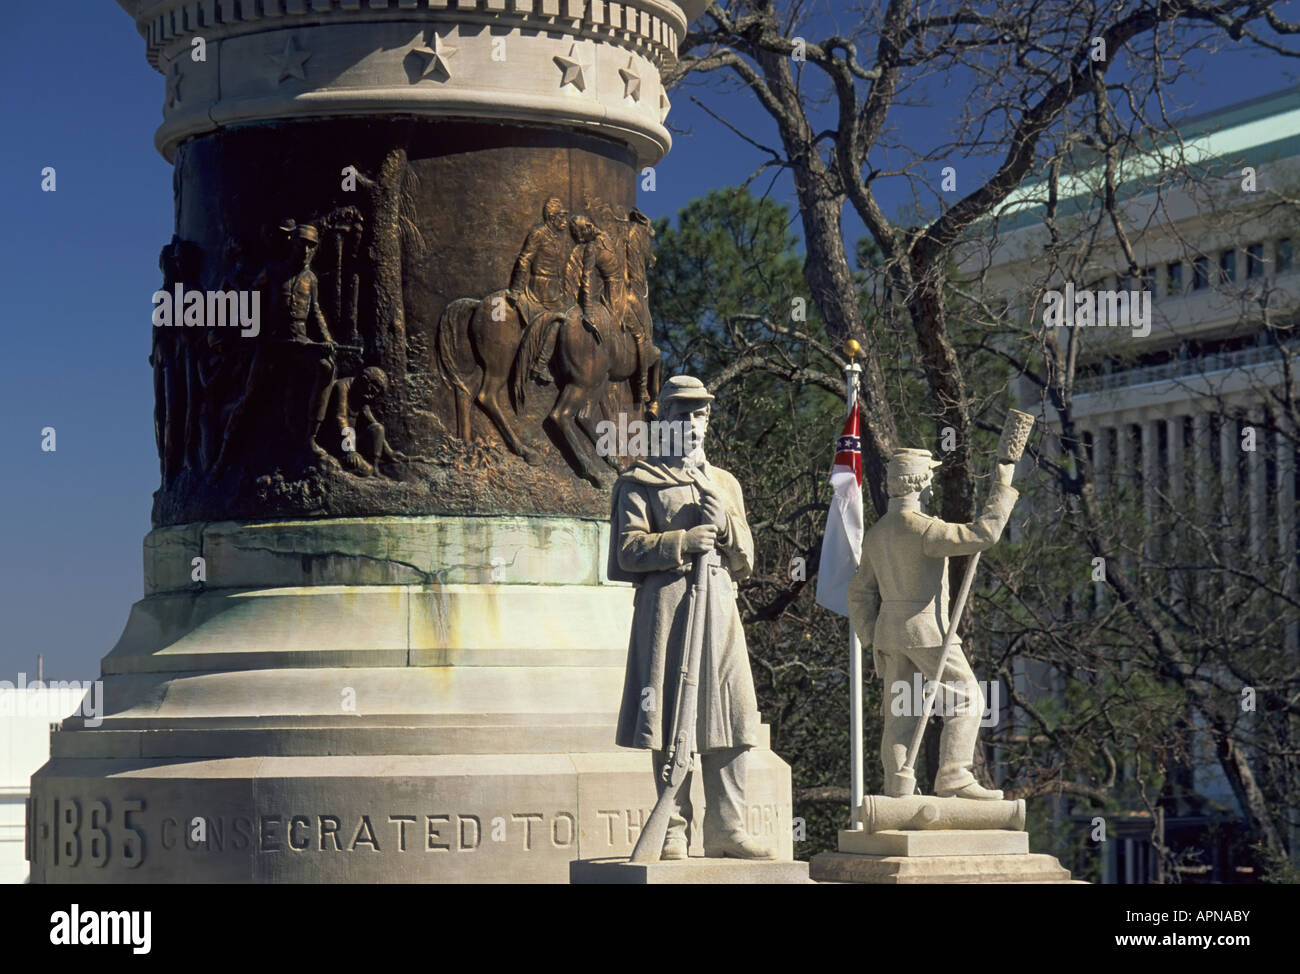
(1181, 370)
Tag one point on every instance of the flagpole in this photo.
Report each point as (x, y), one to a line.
(857, 780)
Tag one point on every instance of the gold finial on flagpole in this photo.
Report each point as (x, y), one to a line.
(851, 372)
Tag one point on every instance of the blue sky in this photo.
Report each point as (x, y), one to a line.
(77, 267)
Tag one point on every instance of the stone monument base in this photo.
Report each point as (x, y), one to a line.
(895, 856)
(360, 701)
(621, 872)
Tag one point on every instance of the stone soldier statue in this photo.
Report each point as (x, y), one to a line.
(666, 512)
(898, 604)
(537, 283)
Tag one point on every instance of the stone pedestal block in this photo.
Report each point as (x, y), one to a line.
(943, 842)
(923, 839)
(842, 867)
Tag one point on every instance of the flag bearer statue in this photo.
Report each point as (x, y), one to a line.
(677, 518)
(898, 604)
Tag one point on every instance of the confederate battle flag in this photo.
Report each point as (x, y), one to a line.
(842, 543)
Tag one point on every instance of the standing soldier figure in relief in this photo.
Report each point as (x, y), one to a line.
(898, 604)
(667, 511)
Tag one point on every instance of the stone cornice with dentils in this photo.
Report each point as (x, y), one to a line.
(650, 27)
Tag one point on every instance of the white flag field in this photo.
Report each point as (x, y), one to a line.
(842, 541)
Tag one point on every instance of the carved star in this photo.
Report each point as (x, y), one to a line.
(434, 54)
(174, 80)
(290, 63)
(572, 70)
(631, 82)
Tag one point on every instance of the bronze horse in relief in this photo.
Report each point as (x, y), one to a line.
(590, 346)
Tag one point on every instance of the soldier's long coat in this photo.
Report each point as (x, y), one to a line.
(653, 506)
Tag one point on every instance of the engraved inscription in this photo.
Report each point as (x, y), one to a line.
(620, 821)
(763, 819)
(436, 833)
(97, 834)
(93, 833)
(760, 819)
(564, 825)
(528, 818)
(95, 837)
(403, 821)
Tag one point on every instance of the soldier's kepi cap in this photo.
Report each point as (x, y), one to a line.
(685, 389)
(909, 461)
(305, 231)
(682, 388)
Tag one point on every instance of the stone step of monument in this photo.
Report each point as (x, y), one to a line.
(847, 867)
(934, 842)
(513, 720)
(344, 692)
(270, 659)
(323, 625)
(276, 738)
(693, 871)
(306, 741)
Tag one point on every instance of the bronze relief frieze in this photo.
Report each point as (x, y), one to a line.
(428, 342)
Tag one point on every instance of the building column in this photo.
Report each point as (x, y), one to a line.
(1150, 438)
(1176, 457)
(1202, 494)
(1255, 487)
(1124, 468)
(1123, 455)
(1286, 524)
(1100, 459)
(1229, 451)
(1177, 492)
(1101, 474)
